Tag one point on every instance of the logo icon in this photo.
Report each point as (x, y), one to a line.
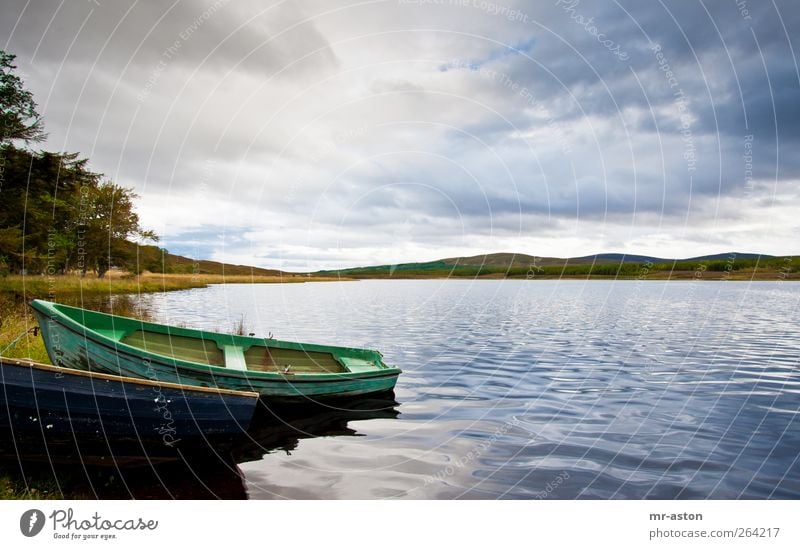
(31, 522)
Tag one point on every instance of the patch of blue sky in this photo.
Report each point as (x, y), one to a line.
(495, 55)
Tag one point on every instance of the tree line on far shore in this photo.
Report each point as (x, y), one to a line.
(56, 215)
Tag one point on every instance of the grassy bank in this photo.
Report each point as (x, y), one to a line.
(16, 317)
(16, 338)
(17, 341)
(31, 287)
(14, 486)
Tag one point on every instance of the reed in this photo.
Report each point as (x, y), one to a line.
(43, 287)
(16, 335)
(12, 487)
(16, 291)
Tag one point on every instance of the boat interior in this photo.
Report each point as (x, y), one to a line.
(260, 358)
(225, 350)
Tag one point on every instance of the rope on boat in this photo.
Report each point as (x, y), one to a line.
(34, 331)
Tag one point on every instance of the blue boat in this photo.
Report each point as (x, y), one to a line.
(54, 403)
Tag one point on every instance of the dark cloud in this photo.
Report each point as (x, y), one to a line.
(426, 124)
(117, 36)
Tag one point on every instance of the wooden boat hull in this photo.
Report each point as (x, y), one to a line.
(87, 345)
(51, 403)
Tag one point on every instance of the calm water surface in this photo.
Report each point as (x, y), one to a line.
(530, 389)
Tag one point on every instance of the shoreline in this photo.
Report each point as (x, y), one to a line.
(42, 286)
(16, 319)
(37, 482)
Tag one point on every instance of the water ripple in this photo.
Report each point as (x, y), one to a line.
(545, 389)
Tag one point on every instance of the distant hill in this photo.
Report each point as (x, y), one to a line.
(728, 256)
(616, 265)
(520, 260)
(731, 265)
(158, 260)
(184, 264)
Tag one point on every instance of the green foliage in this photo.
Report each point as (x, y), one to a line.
(772, 267)
(13, 487)
(58, 216)
(16, 320)
(18, 116)
(108, 221)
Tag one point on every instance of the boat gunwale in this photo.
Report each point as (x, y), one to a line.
(239, 340)
(98, 338)
(124, 379)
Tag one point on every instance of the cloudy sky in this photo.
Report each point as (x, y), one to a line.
(319, 134)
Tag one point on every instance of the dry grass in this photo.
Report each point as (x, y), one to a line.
(32, 287)
(14, 488)
(15, 291)
(240, 279)
(16, 339)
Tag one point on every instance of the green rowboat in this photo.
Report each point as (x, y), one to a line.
(280, 370)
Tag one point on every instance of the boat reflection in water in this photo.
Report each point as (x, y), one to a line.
(280, 428)
(89, 467)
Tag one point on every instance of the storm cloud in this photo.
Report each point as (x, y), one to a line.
(319, 134)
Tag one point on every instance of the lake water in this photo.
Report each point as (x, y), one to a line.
(530, 389)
